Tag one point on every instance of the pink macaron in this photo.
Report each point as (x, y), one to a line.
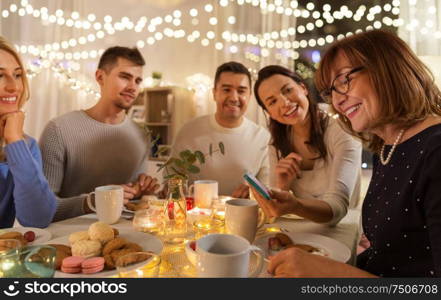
(71, 264)
(92, 265)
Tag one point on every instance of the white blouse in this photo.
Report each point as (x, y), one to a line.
(335, 180)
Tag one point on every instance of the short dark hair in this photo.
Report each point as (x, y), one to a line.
(111, 55)
(233, 67)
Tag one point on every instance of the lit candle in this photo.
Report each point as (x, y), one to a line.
(147, 220)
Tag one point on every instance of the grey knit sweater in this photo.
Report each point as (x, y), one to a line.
(80, 153)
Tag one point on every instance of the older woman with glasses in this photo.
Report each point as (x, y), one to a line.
(387, 97)
(312, 159)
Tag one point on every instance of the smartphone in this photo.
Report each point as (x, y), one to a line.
(256, 184)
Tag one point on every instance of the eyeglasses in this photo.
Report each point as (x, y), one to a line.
(340, 84)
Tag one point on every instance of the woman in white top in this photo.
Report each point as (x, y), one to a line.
(310, 155)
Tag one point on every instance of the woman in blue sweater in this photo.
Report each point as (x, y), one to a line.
(24, 191)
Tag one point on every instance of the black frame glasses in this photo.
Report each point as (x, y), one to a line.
(343, 84)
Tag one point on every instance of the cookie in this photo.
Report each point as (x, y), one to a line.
(101, 232)
(284, 239)
(63, 251)
(72, 264)
(109, 264)
(62, 248)
(11, 235)
(86, 248)
(127, 260)
(115, 244)
(131, 206)
(133, 246)
(92, 265)
(78, 236)
(115, 254)
(115, 232)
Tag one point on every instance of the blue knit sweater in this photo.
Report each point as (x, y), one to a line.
(24, 191)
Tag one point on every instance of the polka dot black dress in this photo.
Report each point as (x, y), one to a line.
(402, 210)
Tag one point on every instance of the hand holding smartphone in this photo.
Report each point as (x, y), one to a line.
(257, 185)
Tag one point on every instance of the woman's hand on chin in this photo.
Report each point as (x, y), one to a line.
(11, 126)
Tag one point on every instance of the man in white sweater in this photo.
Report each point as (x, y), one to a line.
(99, 146)
(246, 143)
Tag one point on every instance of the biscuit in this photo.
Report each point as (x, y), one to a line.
(284, 239)
(60, 255)
(115, 244)
(101, 232)
(115, 254)
(23, 241)
(72, 264)
(137, 206)
(115, 232)
(62, 248)
(11, 235)
(63, 251)
(133, 246)
(86, 248)
(133, 259)
(109, 264)
(92, 265)
(131, 206)
(78, 236)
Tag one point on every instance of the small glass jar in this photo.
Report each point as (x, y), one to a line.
(175, 213)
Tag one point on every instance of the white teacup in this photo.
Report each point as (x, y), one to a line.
(109, 200)
(205, 192)
(243, 217)
(226, 255)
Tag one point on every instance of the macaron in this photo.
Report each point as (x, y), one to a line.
(92, 265)
(72, 264)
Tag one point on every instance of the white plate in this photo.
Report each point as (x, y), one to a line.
(147, 241)
(334, 249)
(292, 217)
(41, 235)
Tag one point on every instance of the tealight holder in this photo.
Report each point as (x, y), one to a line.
(207, 225)
(148, 220)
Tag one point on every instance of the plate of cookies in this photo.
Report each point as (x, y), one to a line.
(272, 244)
(94, 252)
(26, 235)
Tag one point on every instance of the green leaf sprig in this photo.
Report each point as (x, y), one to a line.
(187, 162)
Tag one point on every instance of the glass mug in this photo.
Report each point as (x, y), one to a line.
(28, 262)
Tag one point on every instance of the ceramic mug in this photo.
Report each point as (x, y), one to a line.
(226, 255)
(243, 217)
(109, 200)
(205, 192)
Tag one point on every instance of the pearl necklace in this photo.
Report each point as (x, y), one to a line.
(389, 156)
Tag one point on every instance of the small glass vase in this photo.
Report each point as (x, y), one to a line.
(175, 213)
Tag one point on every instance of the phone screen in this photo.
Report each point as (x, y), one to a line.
(257, 185)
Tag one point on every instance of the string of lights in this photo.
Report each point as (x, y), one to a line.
(277, 44)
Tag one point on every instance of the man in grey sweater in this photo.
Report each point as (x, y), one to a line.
(99, 146)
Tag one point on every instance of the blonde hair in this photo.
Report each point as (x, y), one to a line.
(6, 46)
(405, 86)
